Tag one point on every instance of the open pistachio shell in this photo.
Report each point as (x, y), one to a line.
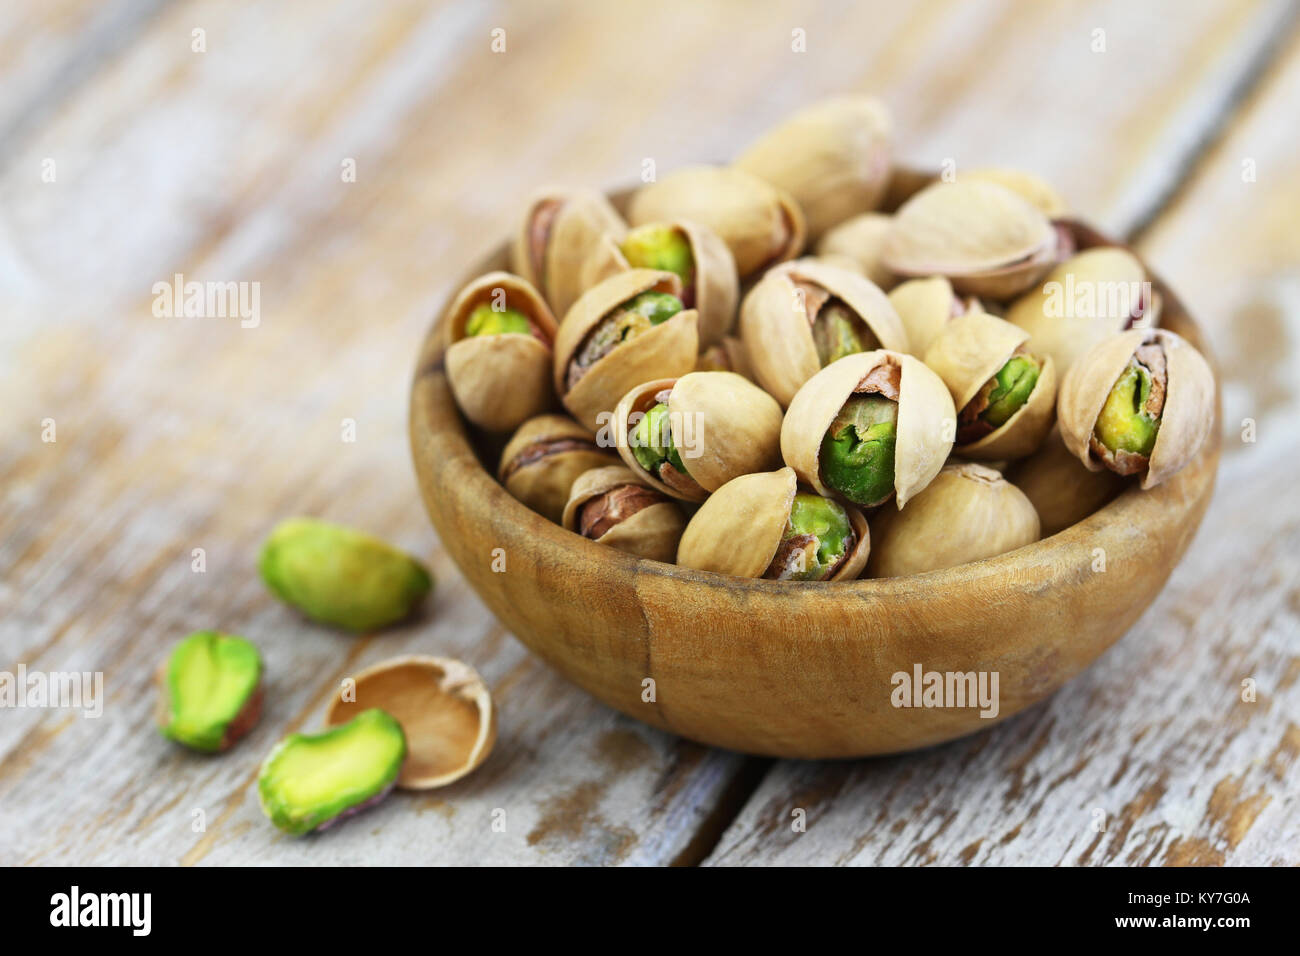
(1062, 491)
(729, 355)
(542, 459)
(970, 350)
(925, 306)
(760, 224)
(1026, 185)
(1189, 400)
(926, 420)
(445, 710)
(861, 239)
(500, 380)
(651, 532)
(967, 513)
(778, 332)
(832, 157)
(714, 292)
(665, 351)
(555, 238)
(1083, 301)
(739, 528)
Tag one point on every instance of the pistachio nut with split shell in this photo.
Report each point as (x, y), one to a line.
(690, 436)
(861, 239)
(544, 457)
(498, 359)
(1062, 491)
(763, 526)
(1026, 185)
(692, 252)
(984, 238)
(1085, 300)
(617, 507)
(870, 427)
(925, 306)
(726, 356)
(760, 224)
(804, 315)
(1004, 396)
(629, 328)
(832, 157)
(1140, 403)
(559, 229)
(968, 513)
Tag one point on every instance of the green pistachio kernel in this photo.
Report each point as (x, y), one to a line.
(828, 524)
(211, 690)
(660, 247)
(837, 332)
(1124, 424)
(485, 320)
(653, 442)
(1012, 387)
(310, 781)
(857, 453)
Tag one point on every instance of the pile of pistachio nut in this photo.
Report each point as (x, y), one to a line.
(765, 376)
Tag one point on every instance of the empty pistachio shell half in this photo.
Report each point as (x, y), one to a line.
(925, 306)
(986, 239)
(340, 576)
(832, 157)
(1083, 301)
(804, 315)
(1026, 185)
(1062, 490)
(445, 710)
(499, 358)
(542, 459)
(969, 512)
(861, 239)
(312, 781)
(629, 328)
(1005, 397)
(210, 691)
(555, 238)
(869, 427)
(760, 224)
(694, 253)
(727, 356)
(1141, 402)
(762, 526)
(690, 436)
(620, 508)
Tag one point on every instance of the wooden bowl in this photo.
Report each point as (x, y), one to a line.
(796, 669)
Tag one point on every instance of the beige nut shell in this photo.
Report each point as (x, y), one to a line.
(738, 529)
(861, 239)
(544, 485)
(584, 217)
(778, 336)
(925, 306)
(651, 533)
(926, 420)
(665, 351)
(1062, 491)
(760, 224)
(1188, 413)
(1026, 185)
(729, 355)
(969, 512)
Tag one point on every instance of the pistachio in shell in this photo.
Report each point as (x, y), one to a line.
(629, 328)
(760, 223)
(498, 361)
(620, 508)
(1139, 403)
(1085, 300)
(832, 157)
(1061, 489)
(804, 315)
(861, 239)
(1005, 397)
(555, 239)
(1026, 185)
(967, 513)
(445, 710)
(726, 356)
(925, 307)
(540, 462)
(691, 435)
(210, 691)
(869, 427)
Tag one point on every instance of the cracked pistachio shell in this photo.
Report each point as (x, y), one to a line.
(499, 381)
(738, 529)
(665, 351)
(1084, 301)
(926, 420)
(652, 532)
(778, 336)
(833, 158)
(716, 287)
(729, 355)
(969, 512)
(542, 478)
(925, 306)
(733, 425)
(970, 350)
(1026, 185)
(553, 241)
(1062, 491)
(861, 239)
(986, 239)
(759, 223)
(1189, 408)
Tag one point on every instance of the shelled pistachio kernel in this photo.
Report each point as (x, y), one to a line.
(1130, 418)
(662, 247)
(837, 331)
(817, 540)
(1001, 397)
(635, 316)
(653, 442)
(485, 320)
(211, 691)
(857, 452)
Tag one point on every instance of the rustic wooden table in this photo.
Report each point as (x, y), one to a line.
(144, 138)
